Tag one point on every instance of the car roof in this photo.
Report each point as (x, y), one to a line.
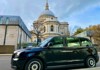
(72, 37)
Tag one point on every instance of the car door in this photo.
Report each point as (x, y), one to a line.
(55, 53)
(73, 46)
(78, 48)
(85, 45)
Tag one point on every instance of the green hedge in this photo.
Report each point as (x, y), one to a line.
(7, 49)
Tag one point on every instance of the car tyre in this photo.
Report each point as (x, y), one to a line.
(34, 64)
(90, 62)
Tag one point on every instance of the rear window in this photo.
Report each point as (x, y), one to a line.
(85, 42)
(78, 42)
(72, 42)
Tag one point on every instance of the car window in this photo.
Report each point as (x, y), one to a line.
(85, 42)
(72, 42)
(44, 42)
(57, 42)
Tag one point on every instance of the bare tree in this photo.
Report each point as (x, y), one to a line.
(38, 30)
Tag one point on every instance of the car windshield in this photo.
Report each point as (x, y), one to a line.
(44, 42)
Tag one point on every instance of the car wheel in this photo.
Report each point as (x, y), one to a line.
(34, 64)
(90, 62)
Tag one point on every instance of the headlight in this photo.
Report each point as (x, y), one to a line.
(15, 59)
(15, 51)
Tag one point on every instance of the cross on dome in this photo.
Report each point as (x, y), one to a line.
(47, 5)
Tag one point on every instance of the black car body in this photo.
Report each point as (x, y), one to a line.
(56, 51)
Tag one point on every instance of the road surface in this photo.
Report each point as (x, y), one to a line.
(5, 64)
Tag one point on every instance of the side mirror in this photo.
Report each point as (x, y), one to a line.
(49, 44)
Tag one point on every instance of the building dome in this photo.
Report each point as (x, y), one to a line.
(47, 13)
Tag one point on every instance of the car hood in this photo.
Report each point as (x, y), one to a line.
(32, 49)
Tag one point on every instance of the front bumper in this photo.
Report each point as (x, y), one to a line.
(17, 63)
(14, 67)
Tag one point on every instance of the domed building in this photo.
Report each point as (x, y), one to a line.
(48, 25)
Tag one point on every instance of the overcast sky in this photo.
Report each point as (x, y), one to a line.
(78, 13)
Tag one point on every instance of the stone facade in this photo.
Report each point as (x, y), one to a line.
(2, 34)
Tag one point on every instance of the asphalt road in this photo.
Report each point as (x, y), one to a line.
(5, 64)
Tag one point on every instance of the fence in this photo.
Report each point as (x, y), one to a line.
(6, 49)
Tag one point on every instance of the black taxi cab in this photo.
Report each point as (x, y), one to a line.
(56, 51)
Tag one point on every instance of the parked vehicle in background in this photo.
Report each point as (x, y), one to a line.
(56, 51)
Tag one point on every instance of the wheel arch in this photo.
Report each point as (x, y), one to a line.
(90, 56)
(36, 57)
(86, 63)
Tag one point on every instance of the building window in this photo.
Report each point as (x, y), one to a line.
(58, 28)
(51, 18)
(52, 28)
(44, 29)
(62, 33)
(0, 20)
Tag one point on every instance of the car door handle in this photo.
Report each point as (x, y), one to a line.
(66, 51)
